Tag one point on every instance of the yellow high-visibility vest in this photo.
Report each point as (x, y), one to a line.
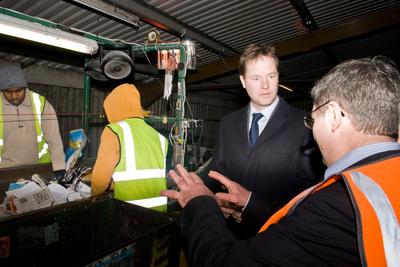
(37, 109)
(140, 173)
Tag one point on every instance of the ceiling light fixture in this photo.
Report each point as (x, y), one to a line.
(39, 33)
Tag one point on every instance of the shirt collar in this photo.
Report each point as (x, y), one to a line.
(359, 154)
(266, 111)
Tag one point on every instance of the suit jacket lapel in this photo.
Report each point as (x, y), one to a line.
(277, 120)
(241, 125)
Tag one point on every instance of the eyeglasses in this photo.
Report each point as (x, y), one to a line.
(309, 121)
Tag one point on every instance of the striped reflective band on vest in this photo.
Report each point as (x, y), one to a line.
(375, 198)
(37, 105)
(382, 206)
(37, 112)
(149, 202)
(131, 173)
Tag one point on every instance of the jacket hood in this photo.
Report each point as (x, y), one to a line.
(122, 103)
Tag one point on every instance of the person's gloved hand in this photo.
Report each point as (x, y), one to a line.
(59, 175)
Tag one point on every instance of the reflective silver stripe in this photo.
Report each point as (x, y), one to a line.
(131, 173)
(40, 137)
(150, 202)
(304, 193)
(386, 216)
(44, 150)
(38, 105)
(38, 112)
(162, 141)
(130, 162)
(298, 199)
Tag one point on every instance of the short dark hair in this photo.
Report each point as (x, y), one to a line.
(254, 51)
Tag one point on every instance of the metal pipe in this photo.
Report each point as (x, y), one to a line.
(86, 108)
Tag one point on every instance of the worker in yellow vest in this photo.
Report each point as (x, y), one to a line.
(29, 131)
(132, 155)
(351, 218)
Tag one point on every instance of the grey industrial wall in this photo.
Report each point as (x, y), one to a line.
(68, 104)
(205, 134)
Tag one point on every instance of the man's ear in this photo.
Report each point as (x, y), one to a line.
(242, 80)
(335, 116)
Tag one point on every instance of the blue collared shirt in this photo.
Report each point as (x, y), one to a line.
(267, 112)
(359, 154)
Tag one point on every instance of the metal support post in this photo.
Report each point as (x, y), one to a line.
(86, 103)
(179, 147)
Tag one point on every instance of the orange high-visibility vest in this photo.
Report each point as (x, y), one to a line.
(375, 193)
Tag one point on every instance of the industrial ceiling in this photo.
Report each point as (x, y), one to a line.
(311, 36)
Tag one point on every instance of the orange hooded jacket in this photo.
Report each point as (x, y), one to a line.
(122, 103)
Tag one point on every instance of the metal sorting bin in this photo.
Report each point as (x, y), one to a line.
(92, 232)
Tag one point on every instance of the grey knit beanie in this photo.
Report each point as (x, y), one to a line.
(12, 77)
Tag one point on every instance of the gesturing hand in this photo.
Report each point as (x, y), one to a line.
(237, 195)
(232, 202)
(190, 186)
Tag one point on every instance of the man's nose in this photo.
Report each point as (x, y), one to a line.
(14, 95)
(264, 83)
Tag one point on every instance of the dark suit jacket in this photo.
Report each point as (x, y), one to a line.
(322, 231)
(284, 161)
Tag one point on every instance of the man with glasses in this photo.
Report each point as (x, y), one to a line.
(352, 217)
(309, 121)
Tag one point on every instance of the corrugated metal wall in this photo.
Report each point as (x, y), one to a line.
(68, 104)
(204, 136)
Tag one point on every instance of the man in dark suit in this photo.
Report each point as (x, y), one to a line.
(283, 161)
(351, 218)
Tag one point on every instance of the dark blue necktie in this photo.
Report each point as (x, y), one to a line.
(254, 128)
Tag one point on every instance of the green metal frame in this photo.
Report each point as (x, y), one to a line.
(178, 148)
(181, 95)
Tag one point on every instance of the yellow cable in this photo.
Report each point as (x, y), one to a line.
(285, 87)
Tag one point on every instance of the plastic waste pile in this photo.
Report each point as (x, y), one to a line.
(27, 195)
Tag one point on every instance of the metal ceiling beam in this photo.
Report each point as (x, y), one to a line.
(167, 23)
(306, 18)
(110, 10)
(30, 62)
(153, 91)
